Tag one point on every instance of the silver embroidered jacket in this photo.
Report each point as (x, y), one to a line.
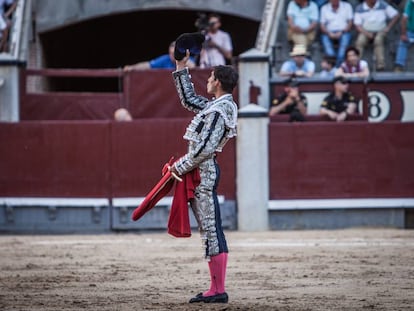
(213, 125)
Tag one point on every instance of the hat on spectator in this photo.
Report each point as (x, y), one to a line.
(188, 41)
(299, 50)
(341, 79)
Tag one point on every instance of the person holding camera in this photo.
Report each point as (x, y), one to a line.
(218, 46)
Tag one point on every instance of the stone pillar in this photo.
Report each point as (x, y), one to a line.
(254, 71)
(9, 91)
(253, 169)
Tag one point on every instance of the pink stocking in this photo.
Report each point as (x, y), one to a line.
(217, 266)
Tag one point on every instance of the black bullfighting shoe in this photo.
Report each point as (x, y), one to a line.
(219, 298)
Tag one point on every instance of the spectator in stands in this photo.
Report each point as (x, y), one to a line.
(7, 8)
(165, 61)
(373, 19)
(303, 19)
(218, 47)
(406, 36)
(291, 101)
(335, 25)
(298, 65)
(122, 115)
(353, 66)
(328, 68)
(339, 103)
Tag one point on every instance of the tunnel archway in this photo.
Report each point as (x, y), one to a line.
(112, 41)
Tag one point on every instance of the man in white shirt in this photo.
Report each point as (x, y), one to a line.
(299, 65)
(336, 23)
(303, 19)
(373, 19)
(218, 46)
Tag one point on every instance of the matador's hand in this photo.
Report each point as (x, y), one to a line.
(181, 64)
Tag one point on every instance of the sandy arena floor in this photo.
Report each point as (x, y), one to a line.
(355, 269)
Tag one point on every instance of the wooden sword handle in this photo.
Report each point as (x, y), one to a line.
(176, 176)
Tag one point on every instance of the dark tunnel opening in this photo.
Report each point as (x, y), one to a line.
(114, 41)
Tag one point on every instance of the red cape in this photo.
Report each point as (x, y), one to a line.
(159, 191)
(179, 221)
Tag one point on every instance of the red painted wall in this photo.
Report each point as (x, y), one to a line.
(94, 158)
(59, 159)
(341, 160)
(109, 159)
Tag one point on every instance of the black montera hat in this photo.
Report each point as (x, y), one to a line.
(188, 41)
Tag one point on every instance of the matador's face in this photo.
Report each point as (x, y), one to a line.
(212, 83)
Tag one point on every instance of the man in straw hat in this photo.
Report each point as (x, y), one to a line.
(298, 65)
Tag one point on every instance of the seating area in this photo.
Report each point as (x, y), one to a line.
(282, 47)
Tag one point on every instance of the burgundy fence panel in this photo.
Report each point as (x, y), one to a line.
(54, 159)
(320, 160)
(70, 106)
(139, 151)
(94, 158)
(59, 105)
(109, 159)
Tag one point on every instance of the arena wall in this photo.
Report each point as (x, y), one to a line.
(103, 162)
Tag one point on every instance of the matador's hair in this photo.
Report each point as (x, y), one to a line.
(228, 77)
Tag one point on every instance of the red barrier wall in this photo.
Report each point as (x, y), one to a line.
(108, 159)
(347, 160)
(139, 151)
(94, 158)
(70, 106)
(54, 159)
